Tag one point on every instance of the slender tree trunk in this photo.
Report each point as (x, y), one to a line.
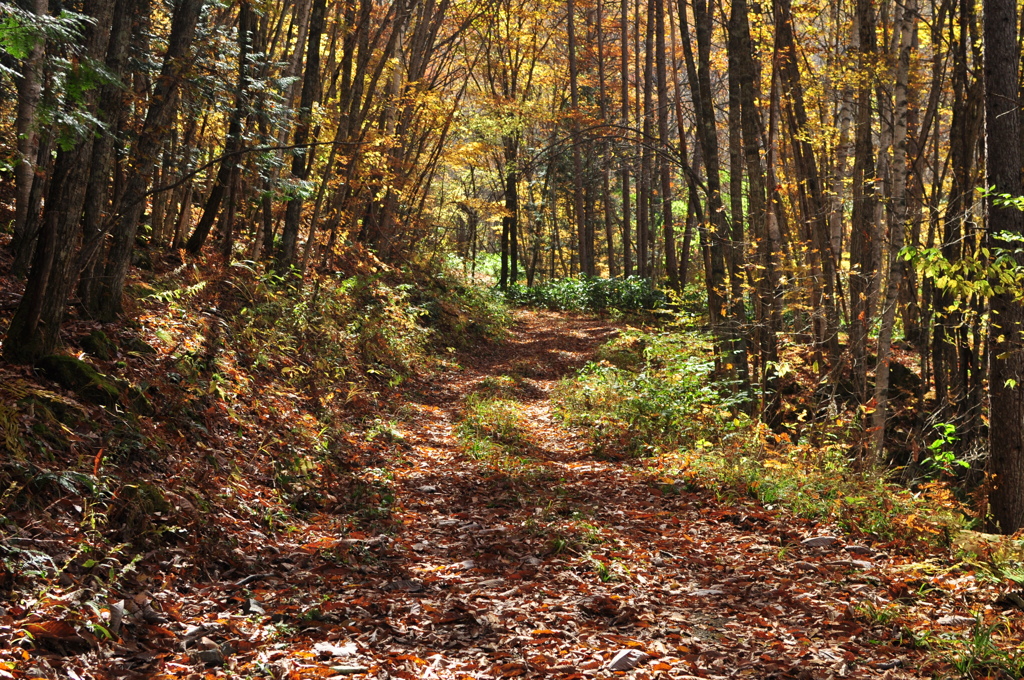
(606, 192)
(823, 255)
(510, 221)
(627, 255)
(645, 183)
(665, 143)
(897, 228)
(30, 89)
(300, 161)
(744, 70)
(234, 141)
(577, 159)
(720, 306)
(159, 115)
(864, 228)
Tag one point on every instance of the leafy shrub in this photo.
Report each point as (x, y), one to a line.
(460, 312)
(589, 294)
(382, 324)
(659, 399)
(653, 394)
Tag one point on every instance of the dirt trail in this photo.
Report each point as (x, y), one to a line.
(543, 561)
(549, 562)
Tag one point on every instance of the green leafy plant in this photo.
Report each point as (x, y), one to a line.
(593, 294)
(492, 419)
(941, 459)
(879, 616)
(661, 398)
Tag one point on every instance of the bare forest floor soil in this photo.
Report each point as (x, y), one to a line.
(543, 561)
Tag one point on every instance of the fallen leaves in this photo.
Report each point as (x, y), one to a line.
(546, 562)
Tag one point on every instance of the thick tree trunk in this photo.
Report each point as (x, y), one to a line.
(1006, 387)
(34, 330)
(103, 163)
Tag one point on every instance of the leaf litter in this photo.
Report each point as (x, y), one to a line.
(545, 561)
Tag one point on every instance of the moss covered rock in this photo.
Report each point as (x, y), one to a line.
(81, 378)
(99, 345)
(139, 346)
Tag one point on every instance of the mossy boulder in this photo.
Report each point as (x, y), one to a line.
(139, 346)
(99, 345)
(81, 378)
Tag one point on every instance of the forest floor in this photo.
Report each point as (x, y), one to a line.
(544, 560)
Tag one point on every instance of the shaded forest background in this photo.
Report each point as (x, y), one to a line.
(823, 182)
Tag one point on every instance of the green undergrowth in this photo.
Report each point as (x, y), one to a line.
(590, 294)
(269, 403)
(492, 423)
(654, 396)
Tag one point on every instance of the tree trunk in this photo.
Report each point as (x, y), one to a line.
(234, 142)
(823, 255)
(34, 330)
(577, 160)
(159, 115)
(744, 70)
(606, 192)
(627, 255)
(30, 88)
(897, 228)
(665, 143)
(645, 182)
(1006, 386)
(103, 162)
(510, 221)
(720, 306)
(300, 164)
(864, 229)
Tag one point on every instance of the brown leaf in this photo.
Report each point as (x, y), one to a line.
(53, 630)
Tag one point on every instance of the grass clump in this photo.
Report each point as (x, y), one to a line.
(981, 654)
(589, 294)
(492, 423)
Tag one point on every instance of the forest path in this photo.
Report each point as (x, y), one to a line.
(535, 558)
(543, 560)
